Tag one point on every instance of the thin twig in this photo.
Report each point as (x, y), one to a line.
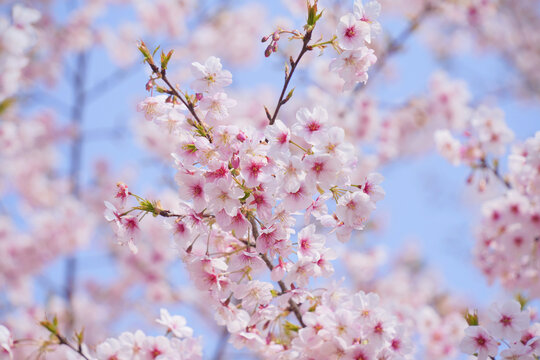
(172, 91)
(294, 64)
(107, 83)
(77, 117)
(495, 171)
(63, 341)
(222, 345)
(284, 289)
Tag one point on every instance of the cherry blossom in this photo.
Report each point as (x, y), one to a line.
(352, 33)
(175, 324)
(210, 77)
(507, 320)
(478, 340)
(6, 341)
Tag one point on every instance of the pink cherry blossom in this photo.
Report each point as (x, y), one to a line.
(507, 321)
(175, 324)
(478, 340)
(352, 33)
(354, 208)
(6, 341)
(210, 77)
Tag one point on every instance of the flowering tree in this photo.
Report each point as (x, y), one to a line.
(263, 192)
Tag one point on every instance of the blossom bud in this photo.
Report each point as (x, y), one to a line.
(472, 318)
(268, 51)
(275, 36)
(274, 47)
(150, 84)
(241, 136)
(198, 96)
(264, 39)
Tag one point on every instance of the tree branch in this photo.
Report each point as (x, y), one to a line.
(284, 289)
(294, 64)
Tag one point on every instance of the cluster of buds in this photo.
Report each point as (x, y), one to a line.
(274, 38)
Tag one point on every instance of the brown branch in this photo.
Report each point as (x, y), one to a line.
(221, 345)
(110, 81)
(77, 117)
(495, 171)
(284, 289)
(163, 75)
(294, 64)
(63, 341)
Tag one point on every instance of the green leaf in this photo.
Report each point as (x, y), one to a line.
(165, 59)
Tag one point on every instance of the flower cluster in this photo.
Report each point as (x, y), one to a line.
(487, 135)
(413, 293)
(342, 325)
(409, 129)
(524, 167)
(353, 32)
(507, 242)
(180, 346)
(506, 323)
(240, 190)
(508, 235)
(16, 39)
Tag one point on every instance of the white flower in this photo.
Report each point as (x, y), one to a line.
(352, 33)
(478, 340)
(507, 320)
(369, 14)
(210, 77)
(448, 146)
(175, 324)
(6, 341)
(217, 105)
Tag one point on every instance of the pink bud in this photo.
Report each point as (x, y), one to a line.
(264, 39)
(241, 136)
(199, 96)
(274, 47)
(275, 36)
(268, 51)
(150, 84)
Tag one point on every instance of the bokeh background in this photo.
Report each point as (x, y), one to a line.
(429, 209)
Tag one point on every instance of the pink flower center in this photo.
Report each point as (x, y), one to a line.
(131, 224)
(155, 353)
(258, 199)
(506, 320)
(318, 167)
(367, 188)
(480, 340)
(313, 126)
(254, 170)
(350, 32)
(180, 228)
(196, 190)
